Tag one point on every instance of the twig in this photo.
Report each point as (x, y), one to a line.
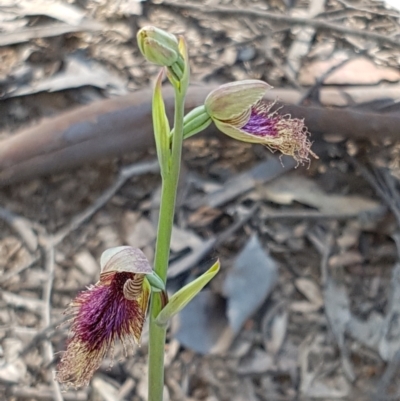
(43, 334)
(16, 301)
(315, 215)
(379, 188)
(386, 379)
(45, 393)
(4, 278)
(47, 346)
(302, 40)
(193, 258)
(22, 227)
(325, 258)
(313, 92)
(323, 243)
(385, 13)
(317, 23)
(262, 173)
(391, 184)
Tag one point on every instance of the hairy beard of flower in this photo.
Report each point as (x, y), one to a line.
(279, 132)
(101, 315)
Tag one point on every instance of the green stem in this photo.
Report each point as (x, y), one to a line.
(165, 223)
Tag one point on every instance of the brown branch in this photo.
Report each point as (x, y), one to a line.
(121, 125)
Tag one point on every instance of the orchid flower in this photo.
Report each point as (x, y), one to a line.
(238, 110)
(114, 308)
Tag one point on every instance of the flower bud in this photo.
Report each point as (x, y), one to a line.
(161, 48)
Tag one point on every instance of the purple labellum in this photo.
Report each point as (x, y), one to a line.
(279, 132)
(101, 316)
(261, 124)
(105, 314)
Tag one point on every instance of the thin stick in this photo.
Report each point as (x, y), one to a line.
(382, 193)
(48, 347)
(4, 278)
(21, 226)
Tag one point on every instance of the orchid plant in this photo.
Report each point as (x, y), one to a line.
(115, 307)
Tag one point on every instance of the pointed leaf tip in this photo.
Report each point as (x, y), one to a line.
(181, 298)
(161, 124)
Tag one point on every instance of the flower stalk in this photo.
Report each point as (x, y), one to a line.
(164, 232)
(169, 190)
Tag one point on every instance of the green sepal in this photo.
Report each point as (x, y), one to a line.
(184, 84)
(181, 298)
(157, 284)
(179, 73)
(235, 99)
(176, 72)
(161, 126)
(195, 121)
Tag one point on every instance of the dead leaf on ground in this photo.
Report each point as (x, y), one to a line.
(320, 378)
(249, 282)
(202, 325)
(60, 11)
(310, 290)
(358, 71)
(337, 309)
(139, 233)
(289, 188)
(77, 72)
(390, 334)
(257, 362)
(274, 327)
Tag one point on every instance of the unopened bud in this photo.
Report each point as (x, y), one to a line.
(161, 48)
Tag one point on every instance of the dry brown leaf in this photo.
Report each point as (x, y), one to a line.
(358, 71)
(292, 187)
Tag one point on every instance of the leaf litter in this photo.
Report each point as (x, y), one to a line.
(302, 335)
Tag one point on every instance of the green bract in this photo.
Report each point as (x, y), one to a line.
(161, 126)
(181, 298)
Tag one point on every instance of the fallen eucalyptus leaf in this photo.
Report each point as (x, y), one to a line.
(249, 282)
(289, 188)
(202, 326)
